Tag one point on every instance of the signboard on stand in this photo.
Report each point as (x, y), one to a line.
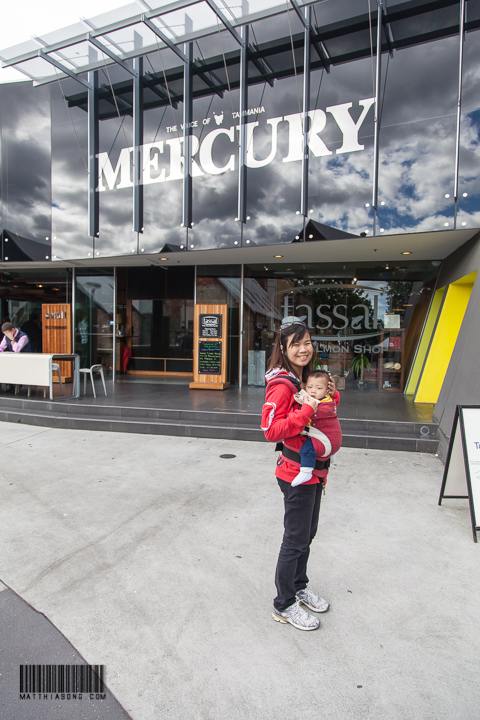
(209, 347)
(461, 477)
(57, 335)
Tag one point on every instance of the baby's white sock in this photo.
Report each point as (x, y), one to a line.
(303, 476)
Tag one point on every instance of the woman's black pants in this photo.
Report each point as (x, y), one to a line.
(302, 507)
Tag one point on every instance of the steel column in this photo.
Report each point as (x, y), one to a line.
(114, 326)
(242, 149)
(459, 110)
(137, 146)
(376, 131)
(240, 327)
(187, 145)
(93, 203)
(305, 118)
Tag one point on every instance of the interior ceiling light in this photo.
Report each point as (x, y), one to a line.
(407, 252)
(278, 256)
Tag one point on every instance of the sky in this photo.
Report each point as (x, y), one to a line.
(38, 18)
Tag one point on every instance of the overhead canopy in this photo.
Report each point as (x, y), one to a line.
(340, 32)
(426, 246)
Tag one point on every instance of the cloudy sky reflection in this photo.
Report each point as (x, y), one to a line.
(416, 173)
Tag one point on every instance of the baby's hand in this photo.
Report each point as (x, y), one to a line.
(300, 396)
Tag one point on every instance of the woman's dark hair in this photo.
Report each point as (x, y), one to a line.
(286, 337)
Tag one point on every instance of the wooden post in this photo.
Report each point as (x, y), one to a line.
(57, 335)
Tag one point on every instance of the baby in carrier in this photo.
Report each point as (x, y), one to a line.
(323, 434)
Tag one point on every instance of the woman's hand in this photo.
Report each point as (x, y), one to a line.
(331, 386)
(310, 401)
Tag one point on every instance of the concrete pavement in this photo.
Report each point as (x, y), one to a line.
(155, 556)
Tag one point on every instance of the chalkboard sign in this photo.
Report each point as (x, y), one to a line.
(461, 478)
(210, 358)
(210, 326)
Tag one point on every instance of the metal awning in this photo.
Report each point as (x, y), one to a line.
(340, 32)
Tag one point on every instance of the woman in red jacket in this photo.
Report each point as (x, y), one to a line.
(290, 364)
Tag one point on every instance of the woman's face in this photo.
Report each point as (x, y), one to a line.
(299, 353)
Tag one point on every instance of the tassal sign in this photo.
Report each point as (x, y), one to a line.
(121, 176)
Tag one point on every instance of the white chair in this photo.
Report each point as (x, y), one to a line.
(55, 368)
(91, 370)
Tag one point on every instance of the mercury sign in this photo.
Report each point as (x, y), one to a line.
(202, 151)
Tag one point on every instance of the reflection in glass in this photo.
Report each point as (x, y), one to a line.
(70, 237)
(341, 149)
(25, 168)
(469, 165)
(365, 331)
(94, 320)
(417, 139)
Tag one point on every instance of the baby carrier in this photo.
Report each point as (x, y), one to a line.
(288, 452)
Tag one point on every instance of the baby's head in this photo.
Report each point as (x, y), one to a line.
(317, 384)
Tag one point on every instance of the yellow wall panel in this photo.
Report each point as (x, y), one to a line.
(425, 341)
(443, 343)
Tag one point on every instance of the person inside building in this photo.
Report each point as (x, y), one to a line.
(289, 367)
(32, 328)
(14, 339)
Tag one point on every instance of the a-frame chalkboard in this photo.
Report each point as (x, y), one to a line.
(461, 477)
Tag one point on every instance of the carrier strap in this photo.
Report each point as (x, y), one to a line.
(295, 457)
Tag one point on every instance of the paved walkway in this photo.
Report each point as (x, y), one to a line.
(155, 557)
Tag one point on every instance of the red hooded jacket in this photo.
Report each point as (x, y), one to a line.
(283, 420)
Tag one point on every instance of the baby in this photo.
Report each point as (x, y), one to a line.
(324, 435)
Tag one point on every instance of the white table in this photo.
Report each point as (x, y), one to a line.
(36, 369)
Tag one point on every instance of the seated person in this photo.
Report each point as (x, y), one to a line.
(14, 340)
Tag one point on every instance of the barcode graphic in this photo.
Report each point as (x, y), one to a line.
(62, 678)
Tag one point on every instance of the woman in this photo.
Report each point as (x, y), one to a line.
(290, 364)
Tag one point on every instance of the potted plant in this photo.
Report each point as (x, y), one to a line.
(358, 365)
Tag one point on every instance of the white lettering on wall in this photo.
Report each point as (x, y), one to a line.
(110, 178)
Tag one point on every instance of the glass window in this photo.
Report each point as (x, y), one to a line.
(162, 171)
(162, 336)
(94, 319)
(25, 170)
(365, 324)
(341, 146)
(274, 167)
(469, 165)
(70, 237)
(417, 138)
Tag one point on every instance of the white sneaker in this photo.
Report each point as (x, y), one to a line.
(296, 616)
(311, 600)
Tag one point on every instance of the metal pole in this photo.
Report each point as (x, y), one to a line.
(242, 149)
(377, 115)
(459, 110)
(93, 204)
(114, 326)
(137, 146)
(306, 108)
(187, 152)
(240, 327)
(73, 308)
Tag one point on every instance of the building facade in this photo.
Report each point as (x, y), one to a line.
(310, 158)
